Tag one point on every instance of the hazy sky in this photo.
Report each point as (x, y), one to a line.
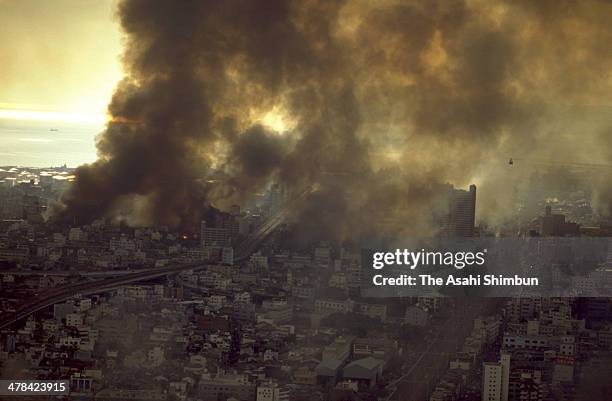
(58, 57)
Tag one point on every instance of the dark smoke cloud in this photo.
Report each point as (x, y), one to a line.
(254, 158)
(383, 102)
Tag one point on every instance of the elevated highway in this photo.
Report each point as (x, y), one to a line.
(60, 294)
(63, 293)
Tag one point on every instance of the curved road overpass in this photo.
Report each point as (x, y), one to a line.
(60, 294)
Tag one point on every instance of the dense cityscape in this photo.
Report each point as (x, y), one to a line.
(306, 200)
(234, 311)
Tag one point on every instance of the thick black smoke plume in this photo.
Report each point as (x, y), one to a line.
(372, 103)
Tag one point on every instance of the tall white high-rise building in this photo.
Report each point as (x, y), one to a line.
(505, 364)
(495, 379)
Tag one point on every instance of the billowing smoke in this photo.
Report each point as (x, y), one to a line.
(374, 104)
